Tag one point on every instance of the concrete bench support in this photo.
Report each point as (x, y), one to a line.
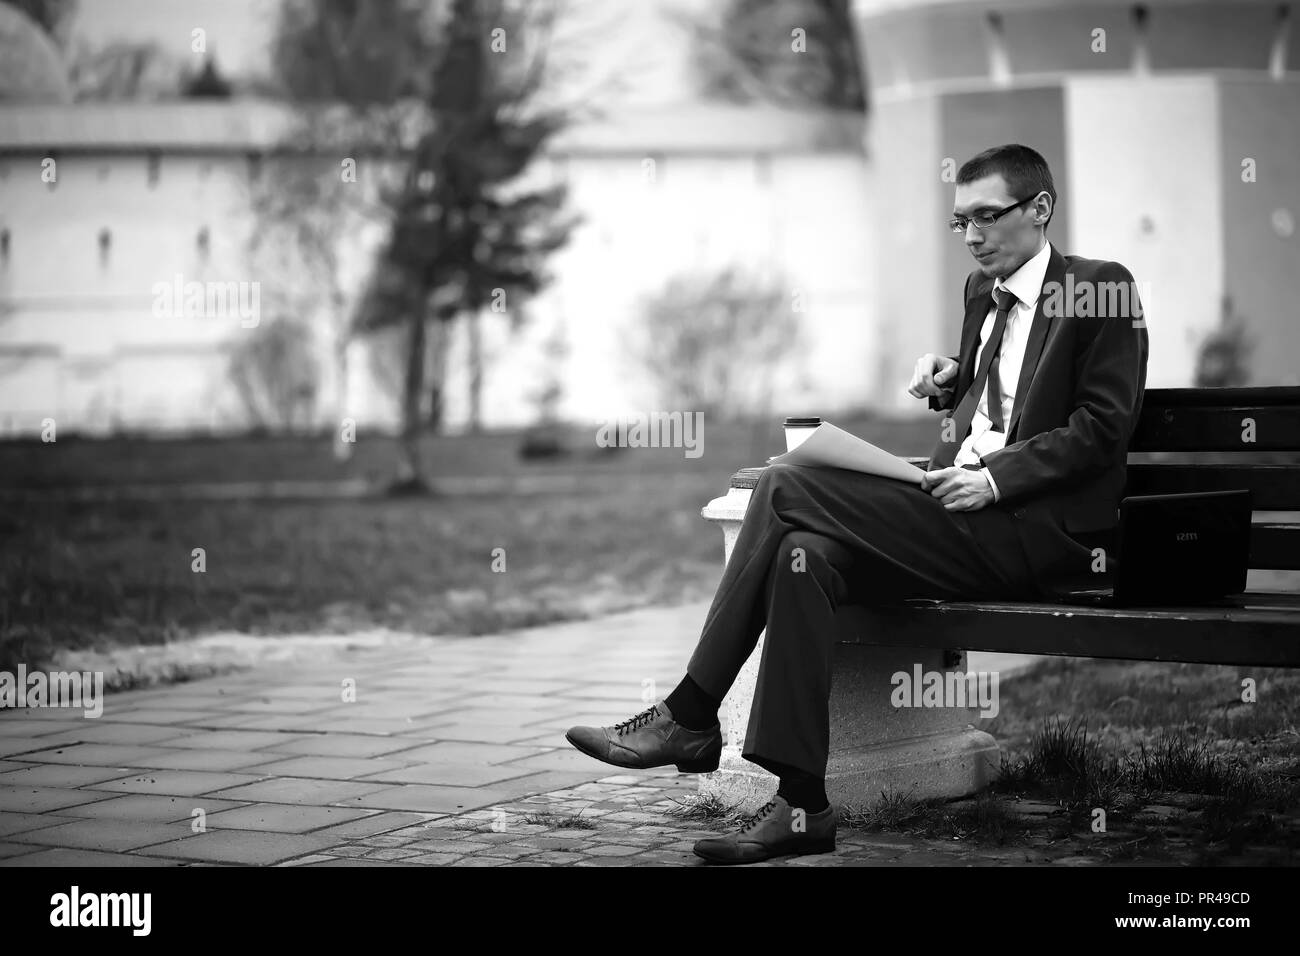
(875, 747)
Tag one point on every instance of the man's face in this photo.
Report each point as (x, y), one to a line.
(1011, 241)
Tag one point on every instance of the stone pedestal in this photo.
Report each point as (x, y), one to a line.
(875, 747)
(737, 781)
(923, 752)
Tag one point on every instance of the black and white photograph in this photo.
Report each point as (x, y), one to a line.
(706, 434)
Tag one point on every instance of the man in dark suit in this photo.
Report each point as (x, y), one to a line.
(1026, 477)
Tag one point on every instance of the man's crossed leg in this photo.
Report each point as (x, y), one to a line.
(811, 538)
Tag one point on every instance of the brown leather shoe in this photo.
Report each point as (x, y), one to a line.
(775, 830)
(651, 739)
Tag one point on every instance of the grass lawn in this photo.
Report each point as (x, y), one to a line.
(1170, 751)
(78, 575)
(1184, 770)
(72, 461)
(1125, 737)
(100, 574)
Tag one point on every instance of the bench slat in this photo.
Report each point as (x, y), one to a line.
(1275, 547)
(1217, 428)
(1222, 397)
(1261, 631)
(1274, 487)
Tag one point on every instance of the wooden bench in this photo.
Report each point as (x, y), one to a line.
(1186, 440)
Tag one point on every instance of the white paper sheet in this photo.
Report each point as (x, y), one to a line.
(831, 447)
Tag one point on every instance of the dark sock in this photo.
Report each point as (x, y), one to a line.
(691, 706)
(804, 790)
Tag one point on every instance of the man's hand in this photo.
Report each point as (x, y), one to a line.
(960, 489)
(932, 375)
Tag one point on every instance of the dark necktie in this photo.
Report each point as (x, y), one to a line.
(1005, 299)
(945, 452)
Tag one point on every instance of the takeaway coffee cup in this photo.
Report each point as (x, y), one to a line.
(797, 431)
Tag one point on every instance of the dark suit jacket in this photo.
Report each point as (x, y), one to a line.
(1077, 403)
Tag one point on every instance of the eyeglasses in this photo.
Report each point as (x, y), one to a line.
(984, 219)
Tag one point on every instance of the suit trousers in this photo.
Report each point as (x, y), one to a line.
(812, 538)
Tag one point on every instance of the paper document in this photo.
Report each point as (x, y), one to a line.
(831, 447)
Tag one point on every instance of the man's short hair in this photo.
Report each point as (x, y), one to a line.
(1025, 171)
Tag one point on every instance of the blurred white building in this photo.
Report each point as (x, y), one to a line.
(1149, 114)
(150, 194)
(1172, 128)
(158, 193)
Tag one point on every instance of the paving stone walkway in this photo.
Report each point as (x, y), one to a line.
(451, 752)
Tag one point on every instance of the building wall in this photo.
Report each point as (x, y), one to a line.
(84, 257)
(801, 216)
(1145, 137)
(1145, 161)
(971, 123)
(936, 41)
(1260, 120)
(125, 355)
(906, 213)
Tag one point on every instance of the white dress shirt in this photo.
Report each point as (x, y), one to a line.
(1026, 284)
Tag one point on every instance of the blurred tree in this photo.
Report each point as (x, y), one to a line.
(386, 361)
(126, 70)
(53, 16)
(545, 438)
(747, 53)
(32, 67)
(548, 396)
(303, 210)
(465, 238)
(714, 342)
(276, 374)
(444, 96)
(1222, 361)
(365, 55)
(208, 83)
(356, 71)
